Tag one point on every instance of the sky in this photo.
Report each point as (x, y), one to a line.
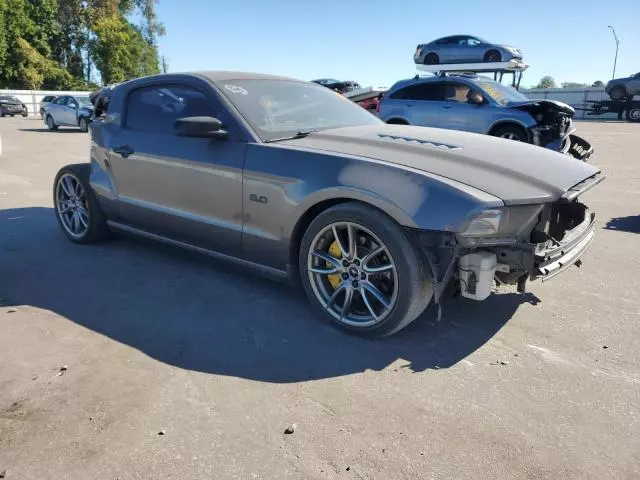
(372, 42)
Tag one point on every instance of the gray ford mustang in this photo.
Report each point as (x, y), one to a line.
(289, 177)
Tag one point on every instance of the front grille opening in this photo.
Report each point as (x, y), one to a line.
(565, 217)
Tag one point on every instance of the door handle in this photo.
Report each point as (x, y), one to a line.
(446, 106)
(124, 150)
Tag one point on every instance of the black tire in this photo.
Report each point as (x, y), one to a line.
(12, 115)
(415, 289)
(42, 113)
(397, 121)
(51, 125)
(492, 56)
(83, 123)
(25, 114)
(509, 132)
(618, 93)
(633, 114)
(97, 226)
(431, 59)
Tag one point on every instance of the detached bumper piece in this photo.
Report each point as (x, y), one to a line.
(578, 147)
(552, 261)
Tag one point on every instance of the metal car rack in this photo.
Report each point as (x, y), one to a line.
(514, 67)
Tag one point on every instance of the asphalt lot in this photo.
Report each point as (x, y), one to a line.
(542, 385)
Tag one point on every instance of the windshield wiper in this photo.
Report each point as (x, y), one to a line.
(299, 134)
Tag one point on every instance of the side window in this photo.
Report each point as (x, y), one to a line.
(456, 92)
(155, 109)
(473, 42)
(61, 100)
(425, 91)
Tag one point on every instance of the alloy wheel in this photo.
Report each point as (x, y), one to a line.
(511, 136)
(352, 274)
(71, 206)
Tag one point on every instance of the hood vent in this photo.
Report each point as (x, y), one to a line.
(423, 142)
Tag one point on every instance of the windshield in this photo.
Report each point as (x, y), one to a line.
(501, 93)
(83, 100)
(325, 81)
(7, 98)
(277, 109)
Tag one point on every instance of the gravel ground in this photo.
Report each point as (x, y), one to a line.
(132, 361)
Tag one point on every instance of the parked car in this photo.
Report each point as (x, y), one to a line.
(464, 49)
(69, 111)
(623, 88)
(480, 105)
(10, 105)
(340, 86)
(46, 100)
(374, 220)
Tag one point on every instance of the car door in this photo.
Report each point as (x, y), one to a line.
(56, 109)
(422, 103)
(186, 188)
(457, 113)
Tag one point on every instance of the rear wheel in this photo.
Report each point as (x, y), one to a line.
(633, 114)
(492, 56)
(431, 59)
(51, 125)
(511, 132)
(361, 270)
(76, 207)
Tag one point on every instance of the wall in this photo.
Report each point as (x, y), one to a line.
(578, 98)
(32, 98)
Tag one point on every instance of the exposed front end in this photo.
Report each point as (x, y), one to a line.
(514, 244)
(555, 129)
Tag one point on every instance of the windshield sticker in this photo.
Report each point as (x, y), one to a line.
(235, 89)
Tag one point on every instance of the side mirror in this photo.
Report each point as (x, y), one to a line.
(205, 127)
(73, 105)
(475, 98)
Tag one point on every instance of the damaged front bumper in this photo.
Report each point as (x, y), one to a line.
(568, 143)
(564, 232)
(550, 261)
(572, 145)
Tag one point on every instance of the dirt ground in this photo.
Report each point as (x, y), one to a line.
(127, 361)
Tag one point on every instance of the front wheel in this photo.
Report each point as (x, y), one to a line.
(618, 93)
(492, 56)
(76, 207)
(361, 270)
(83, 123)
(51, 125)
(511, 132)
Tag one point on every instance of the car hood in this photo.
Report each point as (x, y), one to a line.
(515, 172)
(542, 104)
(11, 102)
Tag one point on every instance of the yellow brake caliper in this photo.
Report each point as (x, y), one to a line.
(334, 251)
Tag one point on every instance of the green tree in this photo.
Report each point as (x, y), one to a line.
(546, 82)
(120, 50)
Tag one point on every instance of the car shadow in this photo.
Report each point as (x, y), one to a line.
(46, 130)
(629, 224)
(207, 316)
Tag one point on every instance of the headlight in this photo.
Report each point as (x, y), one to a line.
(499, 226)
